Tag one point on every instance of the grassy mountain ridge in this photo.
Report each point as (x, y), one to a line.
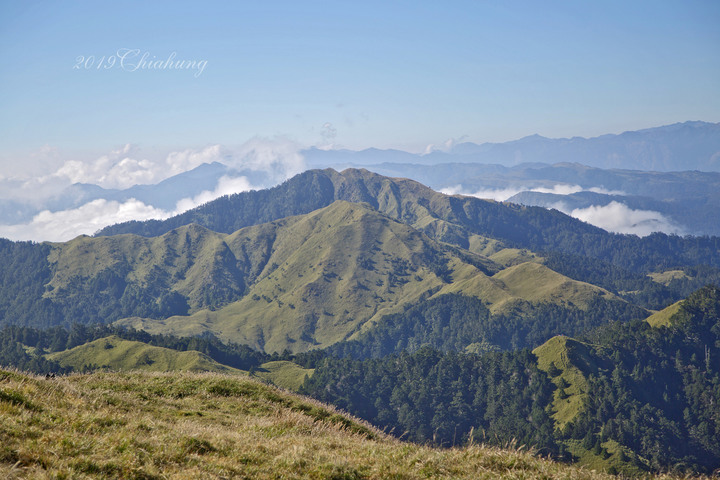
(452, 219)
(115, 353)
(569, 362)
(338, 270)
(664, 316)
(196, 268)
(573, 248)
(299, 282)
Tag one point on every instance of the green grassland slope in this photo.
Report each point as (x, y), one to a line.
(115, 353)
(317, 279)
(158, 425)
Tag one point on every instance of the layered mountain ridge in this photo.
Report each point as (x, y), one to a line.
(316, 278)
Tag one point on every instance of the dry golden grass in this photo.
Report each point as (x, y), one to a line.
(148, 425)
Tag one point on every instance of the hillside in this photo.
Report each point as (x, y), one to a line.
(570, 363)
(115, 353)
(625, 397)
(663, 317)
(299, 283)
(467, 222)
(192, 268)
(322, 277)
(151, 425)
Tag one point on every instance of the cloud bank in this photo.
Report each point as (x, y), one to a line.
(85, 220)
(271, 159)
(614, 217)
(619, 218)
(502, 194)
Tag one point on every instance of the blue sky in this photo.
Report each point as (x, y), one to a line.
(353, 74)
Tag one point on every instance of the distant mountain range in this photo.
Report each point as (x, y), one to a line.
(677, 147)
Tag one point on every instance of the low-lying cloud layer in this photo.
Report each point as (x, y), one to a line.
(85, 220)
(502, 194)
(614, 217)
(276, 159)
(619, 218)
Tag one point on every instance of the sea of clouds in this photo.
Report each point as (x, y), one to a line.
(277, 158)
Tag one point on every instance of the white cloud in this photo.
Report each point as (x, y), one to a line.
(124, 167)
(613, 217)
(606, 192)
(225, 186)
(184, 160)
(445, 146)
(16, 166)
(121, 169)
(87, 219)
(558, 189)
(619, 218)
(328, 133)
(277, 158)
(502, 194)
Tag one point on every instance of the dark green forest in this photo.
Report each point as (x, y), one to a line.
(656, 392)
(457, 323)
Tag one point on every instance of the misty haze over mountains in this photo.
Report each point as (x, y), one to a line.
(635, 182)
(677, 147)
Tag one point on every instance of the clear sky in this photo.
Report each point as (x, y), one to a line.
(354, 74)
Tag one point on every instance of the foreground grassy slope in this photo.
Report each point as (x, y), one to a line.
(153, 425)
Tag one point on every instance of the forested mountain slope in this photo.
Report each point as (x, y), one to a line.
(627, 397)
